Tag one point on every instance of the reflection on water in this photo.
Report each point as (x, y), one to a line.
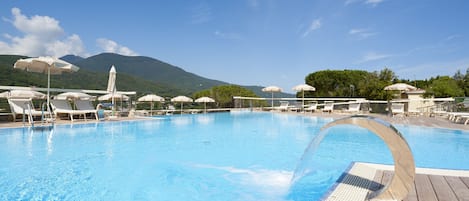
(205, 119)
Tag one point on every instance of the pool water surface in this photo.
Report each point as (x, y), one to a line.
(224, 156)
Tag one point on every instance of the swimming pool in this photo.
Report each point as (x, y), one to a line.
(224, 156)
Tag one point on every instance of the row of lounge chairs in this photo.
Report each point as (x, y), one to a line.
(26, 107)
(83, 107)
(328, 106)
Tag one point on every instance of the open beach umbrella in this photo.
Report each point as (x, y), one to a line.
(272, 89)
(205, 100)
(400, 87)
(151, 98)
(74, 96)
(302, 88)
(115, 96)
(23, 94)
(181, 99)
(49, 65)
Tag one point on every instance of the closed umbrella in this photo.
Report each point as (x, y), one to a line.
(303, 88)
(111, 85)
(49, 65)
(205, 100)
(272, 89)
(23, 94)
(151, 98)
(181, 99)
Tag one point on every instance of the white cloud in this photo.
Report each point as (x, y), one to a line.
(111, 46)
(368, 2)
(373, 56)
(201, 14)
(226, 35)
(315, 24)
(41, 35)
(362, 33)
(373, 2)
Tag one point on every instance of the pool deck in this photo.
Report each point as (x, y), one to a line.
(429, 185)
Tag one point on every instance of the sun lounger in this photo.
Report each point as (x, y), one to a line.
(328, 106)
(86, 107)
(171, 109)
(457, 116)
(312, 107)
(397, 109)
(283, 106)
(353, 107)
(63, 107)
(297, 107)
(23, 107)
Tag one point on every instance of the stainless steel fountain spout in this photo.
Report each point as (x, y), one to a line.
(404, 166)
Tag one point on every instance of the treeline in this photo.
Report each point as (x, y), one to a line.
(370, 85)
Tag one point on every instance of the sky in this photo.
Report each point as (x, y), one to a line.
(250, 42)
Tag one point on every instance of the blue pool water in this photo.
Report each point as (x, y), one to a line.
(226, 156)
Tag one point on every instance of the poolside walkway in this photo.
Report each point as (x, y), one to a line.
(429, 184)
(435, 122)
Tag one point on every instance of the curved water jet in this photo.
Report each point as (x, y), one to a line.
(404, 166)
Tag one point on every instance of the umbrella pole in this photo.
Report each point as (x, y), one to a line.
(151, 109)
(48, 89)
(182, 106)
(303, 100)
(272, 100)
(205, 107)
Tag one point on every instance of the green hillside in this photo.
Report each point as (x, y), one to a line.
(258, 91)
(83, 79)
(141, 74)
(149, 69)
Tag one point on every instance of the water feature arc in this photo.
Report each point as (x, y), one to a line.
(404, 166)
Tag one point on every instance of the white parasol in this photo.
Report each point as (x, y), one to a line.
(49, 65)
(23, 94)
(205, 100)
(74, 96)
(400, 87)
(111, 85)
(302, 88)
(151, 98)
(272, 89)
(181, 99)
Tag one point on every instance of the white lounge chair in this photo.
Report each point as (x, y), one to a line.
(86, 107)
(328, 106)
(283, 106)
(397, 109)
(312, 107)
(63, 107)
(23, 106)
(354, 107)
(171, 109)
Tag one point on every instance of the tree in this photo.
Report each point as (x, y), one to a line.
(335, 83)
(223, 94)
(445, 86)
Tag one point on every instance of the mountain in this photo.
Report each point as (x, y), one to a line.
(71, 58)
(83, 79)
(149, 69)
(141, 74)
